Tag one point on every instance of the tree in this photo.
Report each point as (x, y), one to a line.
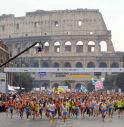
(23, 80)
(114, 81)
(120, 81)
(90, 87)
(110, 82)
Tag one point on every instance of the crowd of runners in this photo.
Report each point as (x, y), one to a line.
(64, 106)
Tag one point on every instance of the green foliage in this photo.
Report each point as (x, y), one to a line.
(23, 80)
(114, 81)
(90, 87)
(120, 81)
(109, 82)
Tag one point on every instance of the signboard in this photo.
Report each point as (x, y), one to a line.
(78, 76)
(42, 74)
(99, 85)
(3, 82)
(64, 87)
(66, 70)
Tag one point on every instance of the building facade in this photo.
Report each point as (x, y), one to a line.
(4, 52)
(72, 38)
(4, 56)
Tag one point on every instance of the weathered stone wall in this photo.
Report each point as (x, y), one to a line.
(71, 38)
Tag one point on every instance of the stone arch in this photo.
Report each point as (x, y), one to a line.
(56, 65)
(57, 47)
(68, 46)
(46, 44)
(103, 65)
(55, 85)
(79, 46)
(114, 65)
(45, 84)
(34, 64)
(45, 64)
(67, 64)
(46, 47)
(91, 65)
(91, 46)
(103, 46)
(78, 85)
(79, 65)
(67, 84)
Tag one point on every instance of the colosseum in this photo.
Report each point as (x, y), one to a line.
(72, 39)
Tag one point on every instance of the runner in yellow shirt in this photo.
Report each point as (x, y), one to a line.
(119, 106)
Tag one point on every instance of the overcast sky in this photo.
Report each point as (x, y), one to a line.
(112, 11)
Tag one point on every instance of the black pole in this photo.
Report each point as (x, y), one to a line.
(19, 54)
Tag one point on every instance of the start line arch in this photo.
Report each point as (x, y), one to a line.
(61, 70)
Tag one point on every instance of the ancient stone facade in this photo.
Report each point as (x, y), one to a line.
(4, 56)
(71, 38)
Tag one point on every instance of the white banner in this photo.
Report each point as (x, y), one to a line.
(76, 70)
(3, 82)
(99, 85)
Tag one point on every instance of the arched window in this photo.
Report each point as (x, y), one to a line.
(46, 47)
(56, 65)
(79, 65)
(79, 46)
(66, 83)
(46, 44)
(91, 46)
(45, 64)
(68, 46)
(78, 86)
(103, 46)
(57, 47)
(114, 65)
(91, 65)
(67, 65)
(102, 65)
(79, 23)
(34, 64)
(45, 84)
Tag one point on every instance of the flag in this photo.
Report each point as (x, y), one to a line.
(99, 85)
(94, 82)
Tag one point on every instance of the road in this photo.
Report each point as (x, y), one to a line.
(6, 121)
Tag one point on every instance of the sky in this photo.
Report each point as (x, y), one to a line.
(112, 11)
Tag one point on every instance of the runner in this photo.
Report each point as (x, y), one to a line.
(11, 107)
(28, 110)
(119, 106)
(65, 111)
(36, 109)
(52, 110)
(103, 110)
(21, 109)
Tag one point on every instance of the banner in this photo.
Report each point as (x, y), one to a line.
(65, 70)
(99, 85)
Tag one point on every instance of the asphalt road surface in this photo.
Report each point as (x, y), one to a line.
(6, 121)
